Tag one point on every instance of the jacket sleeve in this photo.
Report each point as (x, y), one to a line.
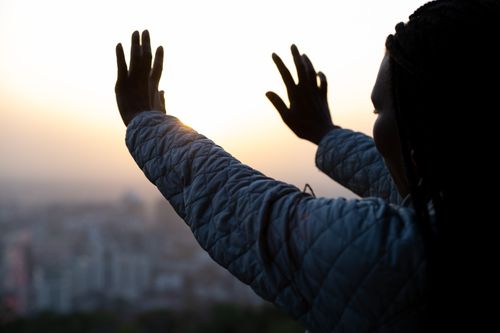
(351, 159)
(332, 264)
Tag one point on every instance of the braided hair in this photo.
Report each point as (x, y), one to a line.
(445, 67)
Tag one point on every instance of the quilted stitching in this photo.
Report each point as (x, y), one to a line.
(334, 264)
(351, 159)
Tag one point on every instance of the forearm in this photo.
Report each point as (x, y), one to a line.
(351, 159)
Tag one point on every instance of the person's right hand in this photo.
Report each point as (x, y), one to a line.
(309, 115)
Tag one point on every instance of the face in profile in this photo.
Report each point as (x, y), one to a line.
(385, 129)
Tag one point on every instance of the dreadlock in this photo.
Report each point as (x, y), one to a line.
(445, 64)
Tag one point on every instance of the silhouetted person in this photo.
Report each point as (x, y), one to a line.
(404, 257)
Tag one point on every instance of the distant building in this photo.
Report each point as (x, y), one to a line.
(17, 271)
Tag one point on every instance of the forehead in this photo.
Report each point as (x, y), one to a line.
(382, 88)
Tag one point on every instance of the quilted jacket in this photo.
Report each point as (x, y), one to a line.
(335, 265)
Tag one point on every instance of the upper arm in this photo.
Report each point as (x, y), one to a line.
(347, 261)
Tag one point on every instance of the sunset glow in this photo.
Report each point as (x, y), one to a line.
(60, 122)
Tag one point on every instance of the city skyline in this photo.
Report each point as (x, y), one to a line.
(122, 255)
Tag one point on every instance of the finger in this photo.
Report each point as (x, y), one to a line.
(299, 64)
(285, 74)
(135, 54)
(162, 100)
(162, 96)
(278, 104)
(323, 84)
(121, 63)
(311, 72)
(146, 54)
(157, 67)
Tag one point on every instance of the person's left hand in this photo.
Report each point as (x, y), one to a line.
(137, 87)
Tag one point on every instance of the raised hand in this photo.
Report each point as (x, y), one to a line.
(309, 115)
(137, 87)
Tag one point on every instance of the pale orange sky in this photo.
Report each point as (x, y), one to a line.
(59, 121)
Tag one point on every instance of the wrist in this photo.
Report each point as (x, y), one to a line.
(323, 132)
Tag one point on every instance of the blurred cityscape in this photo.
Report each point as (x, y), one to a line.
(119, 256)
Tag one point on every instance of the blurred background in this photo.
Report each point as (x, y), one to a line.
(86, 241)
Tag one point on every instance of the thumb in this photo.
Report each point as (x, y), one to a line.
(278, 104)
(323, 85)
(162, 100)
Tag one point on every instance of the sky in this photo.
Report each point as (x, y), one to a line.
(60, 130)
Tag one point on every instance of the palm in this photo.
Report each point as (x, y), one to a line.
(137, 87)
(308, 115)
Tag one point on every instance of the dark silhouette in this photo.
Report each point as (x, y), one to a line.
(406, 257)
